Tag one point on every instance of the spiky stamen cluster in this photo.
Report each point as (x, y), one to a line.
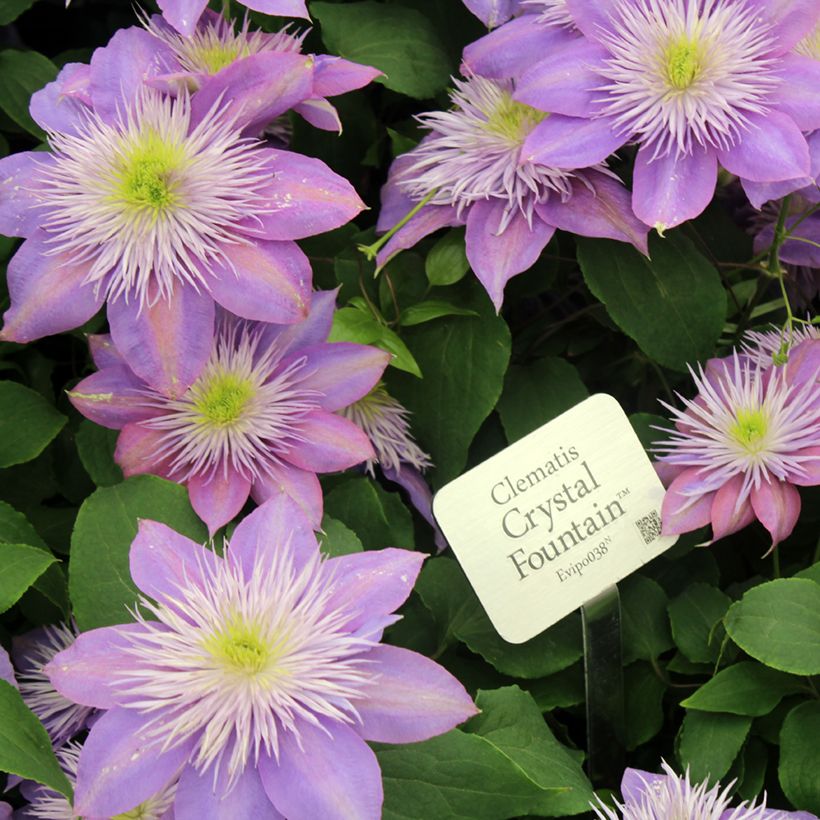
(550, 12)
(473, 153)
(241, 658)
(743, 423)
(687, 72)
(809, 46)
(676, 797)
(61, 717)
(50, 805)
(386, 423)
(150, 201)
(766, 347)
(242, 412)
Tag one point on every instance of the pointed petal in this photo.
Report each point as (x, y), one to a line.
(279, 8)
(777, 506)
(218, 498)
(602, 208)
(770, 149)
(182, 14)
(418, 490)
(492, 12)
(168, 343)
(111, 398)
(265, 281)
(62, 104)
(683, 512)
(592, 17)
(136, 451)
(276, 524)
(197, 798)
(329, 443)
(797, 95)
(342, 371)
(311, 331)
(104, 352)
(428, 220)
(255, 90)
(121, 766)
(302, 486)
(395, 204)
(810, 460)
(571, 142)
(47, 293)
(762, 192)
(727, 514)
(335, 75)
(19, 214)
(414, 699)
(669, 190)
(335, 777)
(320, 114)
(496, 256)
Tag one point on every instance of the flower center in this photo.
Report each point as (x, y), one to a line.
(213, 57)
(809, 46)
(224, 399)
(240, 647)
(146, 175)
(682, 62)
(513, 120)
(749, 428)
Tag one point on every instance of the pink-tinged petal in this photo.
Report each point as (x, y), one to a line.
(255, 90)
(183, 15)
(571, 142)
(793, 20)
(413, 483)
(279, 8)
(320, 114)
(770, 149)
(804, 362)
(265, 281)
(331, 776)
(686, 506)
(19, 214)
(137, 452)
(335, 75)
(120, 70)
(275, 525)
(302, 486)
(47, 293)
(636, 783)
(373, 584)
(395, 204)
(122, 764)
(497, 255)
(343, 371)
(600, 209)
(428, 220)
(511, 49)
(777, 506)
(762, 192)
(669, 190)
(162, 561)
(305, 198)
(727, 514)
(218, 498)
(414, 698)
(492, 12)
(329, 443)
(63, 104)
(84, 672)
(199, 798)
(667, 472)
(564, 82)
(103, 351)
(797, 95)
(810, 461)
(312, 331)
(168, 343)
(6, 669)
(111, 398)
(593, 17)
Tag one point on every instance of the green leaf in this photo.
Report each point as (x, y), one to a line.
(536, 393)
(22, 566)
(337, 539)
(812, 573)
(710, 742)
(755, 762)
(672, 304)
(25, 748)
(399, 41)
(447, 262)
(423, 312)
(745, 688)
(694, 615)
(21, 74)
(99, 577)
(645, 424)
(643, 616)
(778, 623)
(800, 757)
(558, 691)
(15, 528)
(95, 446)
(643, 704)
(10, 10)
(463, 361)
(377, 517)
(27, 423)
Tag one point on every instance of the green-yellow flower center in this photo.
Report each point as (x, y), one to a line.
(146, 173)
(223, 399)
(140, 812)
(513, 120)
(214, 56)
(241, 648)
(682, 62)
(749, 429)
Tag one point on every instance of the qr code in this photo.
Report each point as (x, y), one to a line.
(649, 526)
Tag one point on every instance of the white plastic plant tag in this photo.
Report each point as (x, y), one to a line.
(554, 519)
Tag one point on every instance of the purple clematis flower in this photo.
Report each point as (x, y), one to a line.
(470, 170)
(259, 419)
(670, 795)
(260, 676)
(763, 347)
(694, 83)
(184, 15)
(743, 446)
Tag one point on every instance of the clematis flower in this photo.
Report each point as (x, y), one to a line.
(763, 347)
(743, 446)
(648, 795)
(183, 15)
(470, 170)
(694, 83)
(259, 419)
(260, 676)
(61, 718)
(163, 210)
